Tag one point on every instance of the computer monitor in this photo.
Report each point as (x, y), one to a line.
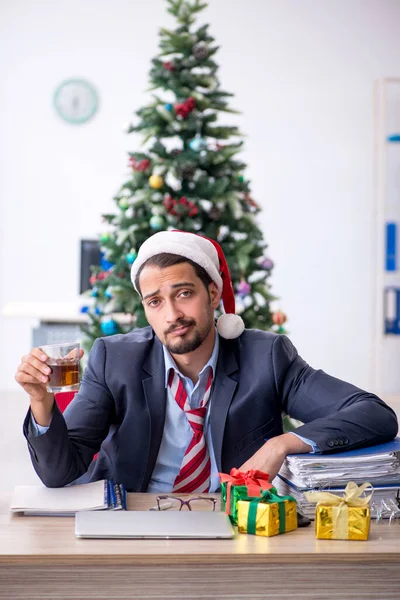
(90, 254)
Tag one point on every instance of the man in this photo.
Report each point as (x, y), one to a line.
(169, 406)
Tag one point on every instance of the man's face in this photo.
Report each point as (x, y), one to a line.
(178, 306)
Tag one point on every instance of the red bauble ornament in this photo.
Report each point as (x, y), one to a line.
(192, 208)
(169, 66)
(92, 279)
(193, 211)
(169, 203)
(142, 165)
(180, 207)
(183, 109)
(279, 317)
(191, 103)
(103, 275)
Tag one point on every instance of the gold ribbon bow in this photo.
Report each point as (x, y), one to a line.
(340, 504)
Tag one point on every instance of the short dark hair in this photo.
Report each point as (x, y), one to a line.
(166, 259)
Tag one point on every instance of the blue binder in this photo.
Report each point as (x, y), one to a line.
(391, 247)
(393, 446)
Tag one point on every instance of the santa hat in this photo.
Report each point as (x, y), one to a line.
(204, 252)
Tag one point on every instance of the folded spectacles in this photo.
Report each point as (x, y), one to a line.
(197, 503)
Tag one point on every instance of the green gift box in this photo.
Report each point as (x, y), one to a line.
(239, 485)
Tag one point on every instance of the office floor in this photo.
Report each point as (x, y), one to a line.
(15, 464)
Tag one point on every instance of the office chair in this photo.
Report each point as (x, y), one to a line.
(62, 400)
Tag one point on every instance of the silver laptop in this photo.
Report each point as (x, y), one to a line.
(184, 524)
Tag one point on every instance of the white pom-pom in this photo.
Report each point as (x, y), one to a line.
(230, 326)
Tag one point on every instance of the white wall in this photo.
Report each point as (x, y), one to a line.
(302, 73)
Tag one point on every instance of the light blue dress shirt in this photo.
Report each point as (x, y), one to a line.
(177, 432)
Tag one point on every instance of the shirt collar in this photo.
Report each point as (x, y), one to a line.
(171, 364)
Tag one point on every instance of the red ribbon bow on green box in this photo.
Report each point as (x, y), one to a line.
(255, 482)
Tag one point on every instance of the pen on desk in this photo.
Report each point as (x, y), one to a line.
(164, 506)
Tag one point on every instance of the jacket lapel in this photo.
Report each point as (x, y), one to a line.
(155, 394)
(224, 388)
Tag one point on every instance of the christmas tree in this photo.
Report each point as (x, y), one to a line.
(186, 176)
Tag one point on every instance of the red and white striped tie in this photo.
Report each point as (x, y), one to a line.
(195, 472)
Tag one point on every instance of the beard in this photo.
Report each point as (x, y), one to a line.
(192, 339)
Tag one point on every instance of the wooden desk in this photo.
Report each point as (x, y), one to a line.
(40, 558)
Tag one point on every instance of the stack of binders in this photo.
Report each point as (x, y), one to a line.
(379, 465)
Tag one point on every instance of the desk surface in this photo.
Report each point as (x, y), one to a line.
(51, 540)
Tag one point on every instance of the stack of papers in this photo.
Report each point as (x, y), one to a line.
(378, 465)
(326, 470)
(37, 500)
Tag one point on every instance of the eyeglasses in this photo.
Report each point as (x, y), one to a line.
(176, 503)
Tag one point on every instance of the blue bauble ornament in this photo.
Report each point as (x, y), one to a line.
(95, 293)
(131, 257)
(109, 327)
(156, 222)
(197, 143)
(106, 264)
(108, 293)
(168, 107)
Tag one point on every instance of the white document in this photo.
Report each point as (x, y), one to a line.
(65, 501)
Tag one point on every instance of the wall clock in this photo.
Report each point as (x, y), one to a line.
(76, 101)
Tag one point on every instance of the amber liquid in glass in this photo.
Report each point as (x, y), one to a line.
(64, 374)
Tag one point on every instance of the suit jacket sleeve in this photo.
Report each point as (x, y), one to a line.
(336, 414)
(65, 451)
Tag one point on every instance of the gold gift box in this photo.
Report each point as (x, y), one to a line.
(342, 522)
(267, 517)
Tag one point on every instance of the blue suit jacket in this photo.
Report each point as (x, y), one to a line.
(120, 409)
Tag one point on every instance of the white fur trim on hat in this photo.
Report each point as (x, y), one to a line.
(194, 247)
(230, 326)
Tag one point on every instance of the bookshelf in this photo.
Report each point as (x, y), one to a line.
(386, 222)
